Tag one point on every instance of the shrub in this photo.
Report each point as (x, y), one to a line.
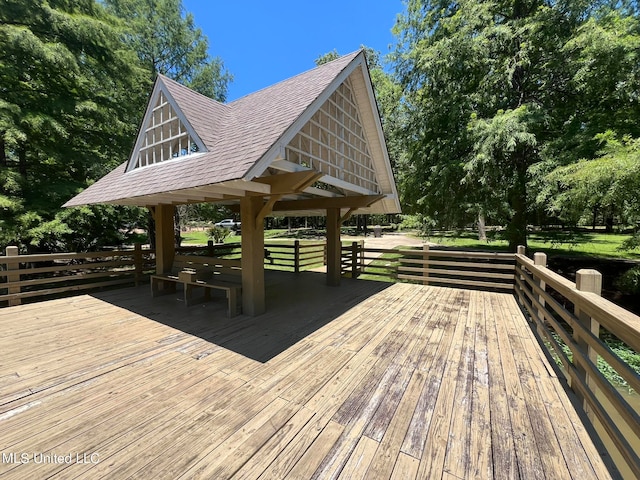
(218, 234)
(629, 282)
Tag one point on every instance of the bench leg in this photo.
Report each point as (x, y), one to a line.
(188, 294)
(232, 300)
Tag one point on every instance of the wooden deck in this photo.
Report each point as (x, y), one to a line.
(368, 380)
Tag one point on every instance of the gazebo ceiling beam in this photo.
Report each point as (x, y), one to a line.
(287, 166)
(292, 182)
(351, 202)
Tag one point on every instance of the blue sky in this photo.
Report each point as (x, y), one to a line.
(262, 42)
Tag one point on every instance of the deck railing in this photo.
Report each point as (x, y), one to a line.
(39, 276)
(431, 266)
(46, 275)
(572, 319)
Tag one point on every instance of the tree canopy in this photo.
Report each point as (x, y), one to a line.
(74, 80)
(168, 42)
(500, 93)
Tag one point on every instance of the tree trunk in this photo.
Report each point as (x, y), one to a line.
(151, 230)
(608, 221)
(22, 161)
(482, 228)
(176, 227)
(3, 153)
(516, 231)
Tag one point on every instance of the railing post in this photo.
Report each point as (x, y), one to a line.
(354, 259)
(324, 253)
(296, 256)
(137, 262)
(540, 259)
(587, 280)
(425, 266)
(13, 266)
(210, 248)
(520, 250)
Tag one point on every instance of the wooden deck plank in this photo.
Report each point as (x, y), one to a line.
(505, 461)
(480, 447)
(527, 453)
(358, 462)
(366, 381)
(435, 448)
(458, 454)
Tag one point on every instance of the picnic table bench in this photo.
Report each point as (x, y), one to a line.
(194, 271)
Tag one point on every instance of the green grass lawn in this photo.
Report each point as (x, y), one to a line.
(198, 237)
(594, 244)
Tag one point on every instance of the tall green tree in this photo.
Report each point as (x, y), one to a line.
(69, 102)
(489, 95)
(168, 42)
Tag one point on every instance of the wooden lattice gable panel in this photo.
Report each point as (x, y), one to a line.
(165, 133)
(334, 143)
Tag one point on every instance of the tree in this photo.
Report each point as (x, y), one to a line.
(69, 102)
(168, 42)
(609, 183)
(589, 170)
(490, 95)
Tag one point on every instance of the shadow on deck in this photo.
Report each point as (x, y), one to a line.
(369, 380)
(295, 309)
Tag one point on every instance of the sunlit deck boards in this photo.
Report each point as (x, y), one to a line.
(363, 381)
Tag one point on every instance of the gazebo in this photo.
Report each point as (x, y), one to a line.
(309, 145)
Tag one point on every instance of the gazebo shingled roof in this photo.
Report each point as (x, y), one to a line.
(243, 140)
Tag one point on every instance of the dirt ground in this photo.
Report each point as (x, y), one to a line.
(387, 240)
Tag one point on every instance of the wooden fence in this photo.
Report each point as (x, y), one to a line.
(572, 319)
(429, 266)
(45, 275)
(36, 277)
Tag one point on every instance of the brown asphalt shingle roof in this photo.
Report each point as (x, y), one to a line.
(237, 135)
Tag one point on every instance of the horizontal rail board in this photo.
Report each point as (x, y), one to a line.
(444, 263)
(33, 258)
(459, 254)
(67, 278)
(72, 288)
(65, 268)
(471, 283)
(459, 273)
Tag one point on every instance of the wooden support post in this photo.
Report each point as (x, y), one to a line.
(296, 256)
(361, 259)
(165, 238)
(210, 248)
(354, 259)
(587, 280)
(520, 250)
(425, 266)
(253, 294)
(334, 247)
(137, 262)
(13, 268)
(540, 259)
